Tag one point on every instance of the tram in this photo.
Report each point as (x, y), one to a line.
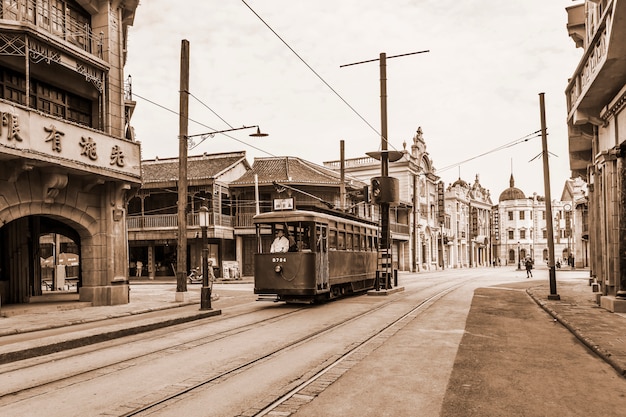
(330, 255)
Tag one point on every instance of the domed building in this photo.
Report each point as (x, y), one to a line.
(520, 228)
(512, 193)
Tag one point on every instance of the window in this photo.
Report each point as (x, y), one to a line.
(341, 240)
(45, 98)
(511, 215)
(522, 215)
(332, 239)
(522, 234)
(511, 235)
(545, 233)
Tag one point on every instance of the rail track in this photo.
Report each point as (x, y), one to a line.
(148, 348)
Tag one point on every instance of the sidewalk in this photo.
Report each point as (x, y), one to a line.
(29, 330)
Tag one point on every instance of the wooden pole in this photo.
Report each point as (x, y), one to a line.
(546, 184)
(183, 122)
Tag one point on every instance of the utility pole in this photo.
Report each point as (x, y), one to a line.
(546, 184)
(183, 123)
(385, 189)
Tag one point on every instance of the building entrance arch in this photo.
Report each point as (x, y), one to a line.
(39, 254)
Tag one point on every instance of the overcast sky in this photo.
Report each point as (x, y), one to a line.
(476, 90)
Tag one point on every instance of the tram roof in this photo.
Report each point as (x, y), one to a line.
(308, 216)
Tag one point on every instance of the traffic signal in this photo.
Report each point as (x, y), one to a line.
(386, 190)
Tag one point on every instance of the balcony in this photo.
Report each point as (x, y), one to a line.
(64, 26)
(170, 221)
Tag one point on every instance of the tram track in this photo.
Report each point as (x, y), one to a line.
(13, 367)
(365, 346)
(179, 390)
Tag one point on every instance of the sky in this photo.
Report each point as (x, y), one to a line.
(277, 64)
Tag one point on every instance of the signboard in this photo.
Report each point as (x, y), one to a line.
(283, 204)
(36, 136)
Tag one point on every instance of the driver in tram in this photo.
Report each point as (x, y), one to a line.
(281, 243)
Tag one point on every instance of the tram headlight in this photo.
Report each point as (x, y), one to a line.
(278, 269)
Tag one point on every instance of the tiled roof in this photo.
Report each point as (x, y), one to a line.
(289, 170)
(206, 166)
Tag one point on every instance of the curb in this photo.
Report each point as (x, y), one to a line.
(100, 337)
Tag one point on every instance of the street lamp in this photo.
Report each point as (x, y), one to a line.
(205, 136)
(519, 259)
(205, 295)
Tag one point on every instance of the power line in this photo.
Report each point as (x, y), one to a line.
(523, 139)
(211, 110)
(311, 68)
(204, 125)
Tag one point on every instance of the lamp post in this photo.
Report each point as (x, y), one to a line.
(519, 259)
(205, 295)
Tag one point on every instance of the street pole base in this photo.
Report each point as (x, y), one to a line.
(181, 296)
(554, 297)
(205, 298)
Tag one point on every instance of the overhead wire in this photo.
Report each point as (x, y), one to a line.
(523, 139)
(204, 125)
(311, 68)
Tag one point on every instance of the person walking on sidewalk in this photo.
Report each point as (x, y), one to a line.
(529, 268)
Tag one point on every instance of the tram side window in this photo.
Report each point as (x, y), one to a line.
(349, 241)
(363, 241)
(341, 240)
(332, 239)
(301, 234)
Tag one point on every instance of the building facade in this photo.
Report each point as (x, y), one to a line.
(520, 229)
(153, 215)
(415, 230)
(68, 155)
(467, 231)
(596, 119)
(576, 217)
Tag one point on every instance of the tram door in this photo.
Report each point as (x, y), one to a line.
(321, 271)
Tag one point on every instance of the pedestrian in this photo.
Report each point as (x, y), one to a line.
(139, 268)
(529, 268)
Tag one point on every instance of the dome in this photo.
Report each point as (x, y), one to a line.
(512, 193)
(460, 183)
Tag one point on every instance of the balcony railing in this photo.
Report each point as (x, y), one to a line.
(54, 21)
(170, 221)
(399, 228)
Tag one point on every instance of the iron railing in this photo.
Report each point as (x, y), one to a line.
(57, 22)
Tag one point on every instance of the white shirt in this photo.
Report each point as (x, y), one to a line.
(280, 244)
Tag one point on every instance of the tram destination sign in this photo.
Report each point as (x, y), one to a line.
(283, 204)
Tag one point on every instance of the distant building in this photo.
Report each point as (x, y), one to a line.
(415, 228)
(468, 225)
(520, 228)
(576, 213)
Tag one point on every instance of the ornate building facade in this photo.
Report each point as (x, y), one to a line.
(415, 229)
(68, 154)
(520, 229)
(467, 231)
(596, 119)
